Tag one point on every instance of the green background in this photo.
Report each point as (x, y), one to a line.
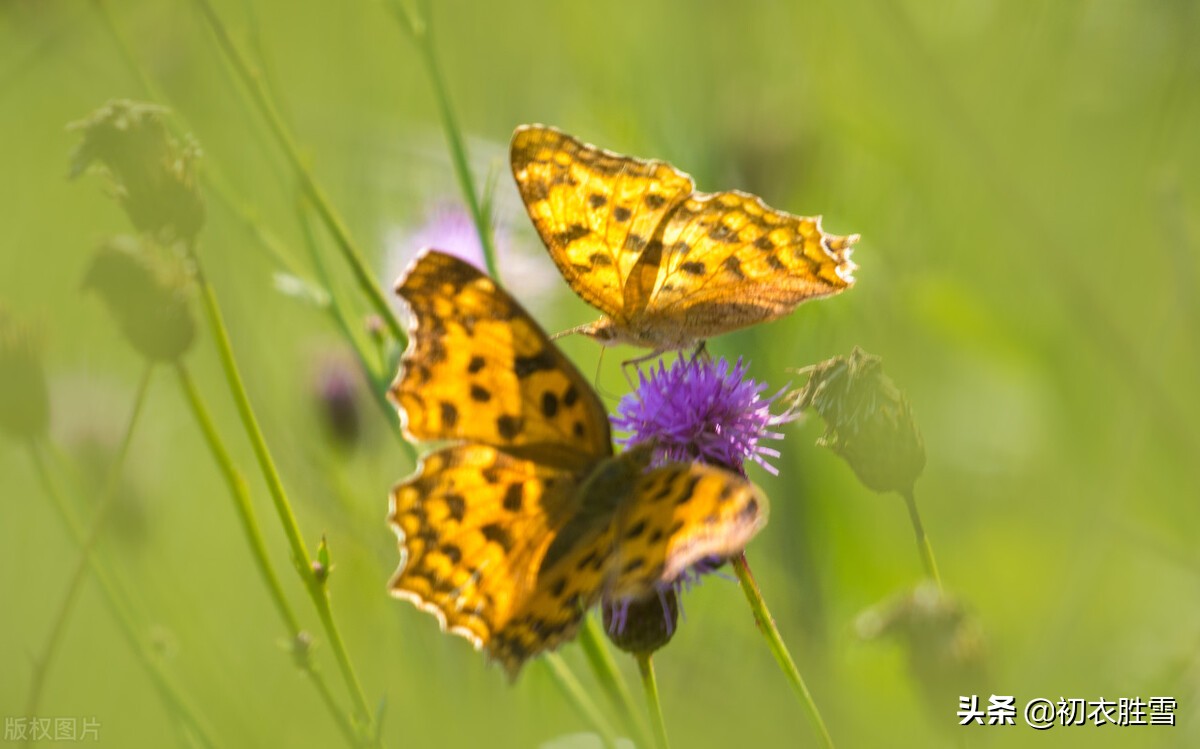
(1024, 178)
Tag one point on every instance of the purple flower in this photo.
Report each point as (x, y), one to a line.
(448, 227)
(702, 410)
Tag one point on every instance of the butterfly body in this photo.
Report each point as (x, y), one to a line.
(513, 531)
(668, 266)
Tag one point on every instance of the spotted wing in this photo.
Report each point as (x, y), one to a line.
(596, 211)
(678, 515)
(729, 260)
(475, 524)
(479, 369)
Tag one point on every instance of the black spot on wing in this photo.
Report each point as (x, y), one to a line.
(734, 266)
(480, 394)
(693, 268)
(449, 415)
(456, 506)
(513, 497)
(542, 361)
(508, 426)
(477, 363)
(621, 213)
(497, 535)
(549, 404)
(572, 233)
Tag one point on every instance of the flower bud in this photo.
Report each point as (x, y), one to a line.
(152, 175)
(944, 643)
(641, 626)
(868, 421)
(147, 293)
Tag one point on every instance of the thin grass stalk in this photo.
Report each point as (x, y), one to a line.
(766, 625)
(259, 93)
(283, 509)
(246, 516)
(79, 573)
(578, 697)
(605, 669)
(172, 695)
(419, 29)
(923, 545)
(650, 685)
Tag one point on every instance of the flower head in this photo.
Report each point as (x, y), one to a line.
(702, 410)
(868, 420)
(448, 227)
(151, 173)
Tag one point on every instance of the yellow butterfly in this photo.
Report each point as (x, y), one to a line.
(510, 534)
(668, 266)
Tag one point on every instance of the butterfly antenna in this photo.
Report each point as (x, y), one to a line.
(571, 331)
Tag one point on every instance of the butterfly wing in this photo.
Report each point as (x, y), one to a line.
(596, 211)
(475, 525)
(678, 515)
(479, 369)
(729, 260)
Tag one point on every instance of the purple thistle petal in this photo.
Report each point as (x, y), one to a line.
(702, 410)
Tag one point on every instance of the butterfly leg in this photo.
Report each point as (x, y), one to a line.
(701, 352)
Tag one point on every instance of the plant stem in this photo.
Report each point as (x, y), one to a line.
(378, 385)
(611, 680)
(419, 30)
(578, 697)
(79, 574)
(170, 693)
(923, 546)
(258, 548)
(333, 221)
(766, 625)
(646, 667)
(210, 175)
(283, 509)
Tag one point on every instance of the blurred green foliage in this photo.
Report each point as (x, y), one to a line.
(1025, 179)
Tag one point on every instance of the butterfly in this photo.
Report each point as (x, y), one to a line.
(512, 531)
(668, 266)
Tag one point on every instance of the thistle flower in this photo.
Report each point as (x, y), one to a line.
(336, 386)
(697, 410)
(868, 420)
(448, 226)
(702, 410)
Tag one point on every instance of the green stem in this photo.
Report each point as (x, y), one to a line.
(377, 383)
(245, 511)
(611, 680)
(578, 696)
(333, 221)
(283, 509)
(766, 625)
(419, 30)
(170, 693)
(88, 545)
(931, 568)
(646, 667)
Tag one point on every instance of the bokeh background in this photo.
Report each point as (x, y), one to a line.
(1024, 177)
